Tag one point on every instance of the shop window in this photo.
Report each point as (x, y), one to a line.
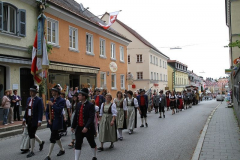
(113, 79)
(12, 19)
(88, 81)
(139, 75)
(52, 31)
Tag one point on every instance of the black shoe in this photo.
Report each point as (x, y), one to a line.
(142, 125)
(163, 116)
(94, 158)
(47, 158)
(41, 145)
(121, 138)
(100, 149)
(146, 124)
(111, 146)
(30, 154)
(24, 152)
(60, 153)
(160, 117)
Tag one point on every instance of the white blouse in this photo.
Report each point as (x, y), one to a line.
(124, 107)
(130, 100)
(114, 110)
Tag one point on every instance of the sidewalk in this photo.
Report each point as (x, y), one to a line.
(222, 139)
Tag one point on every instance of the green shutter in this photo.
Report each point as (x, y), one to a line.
(1, 16)
(22, 22)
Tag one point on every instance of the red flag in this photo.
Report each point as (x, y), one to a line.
(112, 19)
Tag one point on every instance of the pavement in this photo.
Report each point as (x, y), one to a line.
(222, 138)
(172, 138)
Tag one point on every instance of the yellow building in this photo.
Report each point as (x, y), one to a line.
(177, 75)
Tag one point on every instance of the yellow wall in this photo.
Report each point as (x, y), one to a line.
(170, 77)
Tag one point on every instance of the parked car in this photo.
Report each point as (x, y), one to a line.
(219, 97)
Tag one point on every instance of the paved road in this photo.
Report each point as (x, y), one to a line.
(172, 138)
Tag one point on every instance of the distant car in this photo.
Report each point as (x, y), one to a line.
(219, 97)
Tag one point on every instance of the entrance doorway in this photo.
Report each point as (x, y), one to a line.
(74, 81)
(26, 82)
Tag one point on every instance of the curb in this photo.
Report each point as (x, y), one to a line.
(198, 149)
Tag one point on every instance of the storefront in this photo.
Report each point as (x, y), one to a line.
(2, 82)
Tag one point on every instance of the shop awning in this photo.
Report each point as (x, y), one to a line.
(15, 59)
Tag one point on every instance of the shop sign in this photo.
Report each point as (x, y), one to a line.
(113, 67)
(166, 88)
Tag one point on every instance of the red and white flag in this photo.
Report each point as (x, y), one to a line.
(38, 64)
(112, 19)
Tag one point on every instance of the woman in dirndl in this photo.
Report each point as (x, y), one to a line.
(168, 100)
(180, 101)
(107, 125)
(172, 98)
(131, 104)
(121, 114)
(73, 108)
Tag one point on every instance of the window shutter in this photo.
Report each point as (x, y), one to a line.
(22, 22)
(1, 16)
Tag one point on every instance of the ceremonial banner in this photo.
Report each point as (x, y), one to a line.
(112, 19)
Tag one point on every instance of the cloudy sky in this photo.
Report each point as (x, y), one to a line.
(197, 26)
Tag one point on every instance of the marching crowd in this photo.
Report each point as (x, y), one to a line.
(95, 115)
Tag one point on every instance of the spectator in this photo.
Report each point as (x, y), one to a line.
(76, 90)
(70, 93)
(10, 113)
(6, 103)
(16, 103)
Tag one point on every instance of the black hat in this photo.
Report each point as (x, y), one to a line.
(34, 88)
(75, 94)
(97, 90)
(141, 90)
(161, 91)
(130, 92)
(57, 88)
(84, 91)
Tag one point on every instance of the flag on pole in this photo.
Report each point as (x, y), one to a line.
(112, 19)
(39, 63)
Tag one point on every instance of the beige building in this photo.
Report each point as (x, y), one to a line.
(18, 19)
(145, 62)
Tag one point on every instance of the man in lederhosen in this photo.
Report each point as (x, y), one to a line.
(143, 105)
(54, 116)
(33, 117)
(83, 124)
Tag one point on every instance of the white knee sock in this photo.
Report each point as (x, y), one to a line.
(38, 139)
(77, 154)
(50, 149)
(142, 120)
(60, 144)
(145, 119)
(94, 152)
(32, 141)
(120, 132)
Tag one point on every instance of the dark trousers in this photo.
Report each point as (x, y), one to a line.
(16, 112)
(161, 108)
(31, 129)
(54, 135)
(143, 111)
(79, 138)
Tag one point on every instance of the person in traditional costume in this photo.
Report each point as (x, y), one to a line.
(54, 116)
(99, 99)
(161, 101)
(83, 124)
(67, 109)
(73, 109)
(96, 116)
(121, 118)
(172, 102)
(33, 118)
(107, 125)
(131, 104)
(180, 101)
(143, 105)
(168, 100)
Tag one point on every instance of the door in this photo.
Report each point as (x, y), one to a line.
(26, 82)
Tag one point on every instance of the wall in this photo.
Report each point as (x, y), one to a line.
(170, 77)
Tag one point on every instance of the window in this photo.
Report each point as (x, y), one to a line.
(160, 63)
(113, 52)
(89, 43)
(102, 48)
(153, 59)
(166, 65)
(128, 58)
(163, 77)
(73, 38)
(155, 76)
(52, 31)
(139, 75)
(166, 78)
(103, 79)
(113, 81)
(150, 58)
(121, 54)
(122, 81)
(151, 75)
(160, 77)
(163, 64)
(156, 61)
(12, 19)
(139, 58)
